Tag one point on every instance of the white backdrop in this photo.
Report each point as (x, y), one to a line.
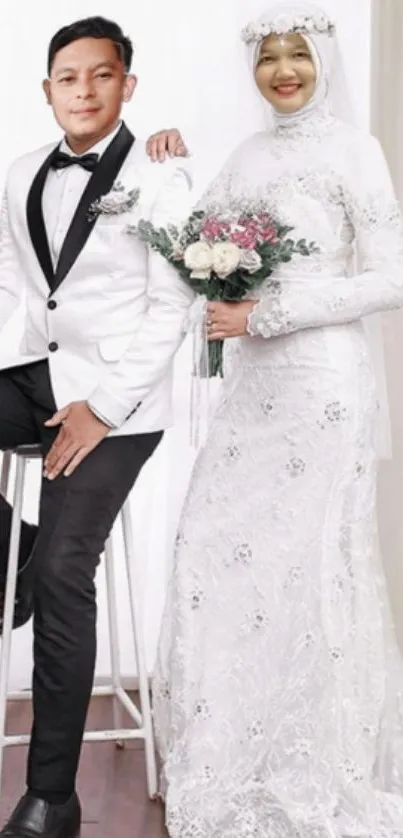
(192, 75)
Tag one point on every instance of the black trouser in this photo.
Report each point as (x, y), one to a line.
(75, 519)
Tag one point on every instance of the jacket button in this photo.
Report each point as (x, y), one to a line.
(52, 304)
(53, 346)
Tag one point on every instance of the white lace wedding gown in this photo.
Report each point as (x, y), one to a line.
(278, 691)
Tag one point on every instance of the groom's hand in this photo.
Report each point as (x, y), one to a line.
(80, 432)
(166, 142)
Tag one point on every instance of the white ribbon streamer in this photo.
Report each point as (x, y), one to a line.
(199, 394)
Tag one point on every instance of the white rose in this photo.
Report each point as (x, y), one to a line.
(282, 24)
(248, 34)
(198, 258)
(324, 24)
(226, 258)
(250, 261)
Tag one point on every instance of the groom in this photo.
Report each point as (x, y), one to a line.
(91, 381)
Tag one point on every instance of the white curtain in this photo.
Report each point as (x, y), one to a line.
(387, 124)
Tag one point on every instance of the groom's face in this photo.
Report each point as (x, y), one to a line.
(87, 87)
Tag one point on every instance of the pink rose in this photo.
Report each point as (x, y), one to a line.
(214, 229)
(245, 234)
(268, 234)
(245, 239)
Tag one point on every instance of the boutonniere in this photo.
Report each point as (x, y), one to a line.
(115, 202)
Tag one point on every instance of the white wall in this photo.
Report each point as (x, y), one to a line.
(192, 74)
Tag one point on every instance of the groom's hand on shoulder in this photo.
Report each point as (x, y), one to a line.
(80, 432)
(168, 142)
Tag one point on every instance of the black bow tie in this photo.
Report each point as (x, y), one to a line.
(86, 161)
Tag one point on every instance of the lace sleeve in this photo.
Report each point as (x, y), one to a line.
(373, 210)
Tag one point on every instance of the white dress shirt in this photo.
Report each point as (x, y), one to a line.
(62, 192)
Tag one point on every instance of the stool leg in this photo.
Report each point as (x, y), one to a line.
(5, 473)
(11, 585)
(135, 611)
(113, 632)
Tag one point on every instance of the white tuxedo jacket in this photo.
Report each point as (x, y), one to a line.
(109, 316)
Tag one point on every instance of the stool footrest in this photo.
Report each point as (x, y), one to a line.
(98, 692)
(30, 452)
(89, 736)
(116, 692)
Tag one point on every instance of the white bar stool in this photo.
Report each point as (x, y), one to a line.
(142, 718)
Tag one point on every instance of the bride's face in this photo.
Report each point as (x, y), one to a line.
(285, 73)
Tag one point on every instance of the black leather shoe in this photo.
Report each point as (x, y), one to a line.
(23, 597)
(34, 818)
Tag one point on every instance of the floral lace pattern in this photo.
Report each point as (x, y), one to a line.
(278, 692)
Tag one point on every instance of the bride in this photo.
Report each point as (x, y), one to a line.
(278, 694)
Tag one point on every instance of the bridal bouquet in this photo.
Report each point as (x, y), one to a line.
(224, 255)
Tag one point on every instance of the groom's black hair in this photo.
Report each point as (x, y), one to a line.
(92, 27)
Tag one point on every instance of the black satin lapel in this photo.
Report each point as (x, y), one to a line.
(100, 183)
(36, 223)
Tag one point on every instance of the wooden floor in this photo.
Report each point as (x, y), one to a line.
(111, 782)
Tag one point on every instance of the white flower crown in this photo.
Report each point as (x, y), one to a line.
(287, 25)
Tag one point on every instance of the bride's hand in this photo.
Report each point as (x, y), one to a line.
(228, 320)
(166, 142)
